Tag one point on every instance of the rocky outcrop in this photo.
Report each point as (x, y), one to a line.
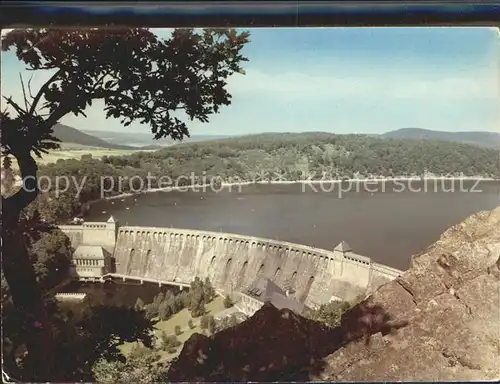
(439, 321)
(450, 300)
(267, 345)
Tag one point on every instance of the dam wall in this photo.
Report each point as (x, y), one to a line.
(233, 261)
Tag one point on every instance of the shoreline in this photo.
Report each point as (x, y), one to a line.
(299, 182)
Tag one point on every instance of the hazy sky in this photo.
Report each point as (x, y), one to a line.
(361, 80)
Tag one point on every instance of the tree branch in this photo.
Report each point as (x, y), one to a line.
(101, 79)
(29, 87)
(15, 105)
(26, 102)
(56, 115)
(42, 90)
(12, 205)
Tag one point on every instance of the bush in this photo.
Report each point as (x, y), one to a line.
(169, 343)
(191, 324)
(164, 311)
(141, 370)
(208, 291)
(159, 298)
(197, 304)
(204, 322)
(228, 303)
(184, 295)
(139, 350)
(330, 313)
(233, 321)
(177, 330)
(151, 310)
(211, 324)
(226, 322)
(139, 304)
(200, 293)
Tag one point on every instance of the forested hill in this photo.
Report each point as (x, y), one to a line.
(294, 156)
(67, 134)
(481, 139)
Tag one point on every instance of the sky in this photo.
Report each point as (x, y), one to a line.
(342, 80)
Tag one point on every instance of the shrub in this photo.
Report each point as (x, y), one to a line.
(177, 330)
(208, 291)
(211, 324)
(158, 299)
(204, 322)
(228, 303)
(226, 322)
(150, 311)
(169, 343)
(185, 299)
(139, 350)
(233, 321)
(164, 311)
(191, 324)
(139, 304)
(197, 305)
(330, 313)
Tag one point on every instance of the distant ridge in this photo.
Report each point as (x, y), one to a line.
(142, 141)
(146, 140)
(70, 135)
(479, 138)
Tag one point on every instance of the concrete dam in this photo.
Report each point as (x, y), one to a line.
(232, 261)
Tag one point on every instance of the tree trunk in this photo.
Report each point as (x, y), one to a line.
(27, 298)
(20, 275)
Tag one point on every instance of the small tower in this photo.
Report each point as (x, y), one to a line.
(339, 254)
(112, 226)
(343, 248)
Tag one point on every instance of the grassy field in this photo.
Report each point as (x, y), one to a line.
(181, 319)
(74, 151)
(77, 153)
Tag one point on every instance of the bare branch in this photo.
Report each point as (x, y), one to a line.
(26, 102)
(29, 87)
(42, 90)
(15, 105)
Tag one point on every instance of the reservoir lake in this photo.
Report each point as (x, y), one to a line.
(388, 222)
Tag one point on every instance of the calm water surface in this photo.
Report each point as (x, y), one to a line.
(115, 293)
(387, 225)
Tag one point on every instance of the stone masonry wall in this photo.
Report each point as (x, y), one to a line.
(233, 261)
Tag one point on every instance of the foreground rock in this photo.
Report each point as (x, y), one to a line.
(264, 346)
(450, 299)
(440, 321)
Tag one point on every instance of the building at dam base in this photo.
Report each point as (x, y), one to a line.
(232, 262)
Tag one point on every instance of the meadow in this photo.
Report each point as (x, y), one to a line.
(75, 151)
(180, 319)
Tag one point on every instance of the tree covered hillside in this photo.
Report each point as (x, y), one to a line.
(247, 158)
(478, 138)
